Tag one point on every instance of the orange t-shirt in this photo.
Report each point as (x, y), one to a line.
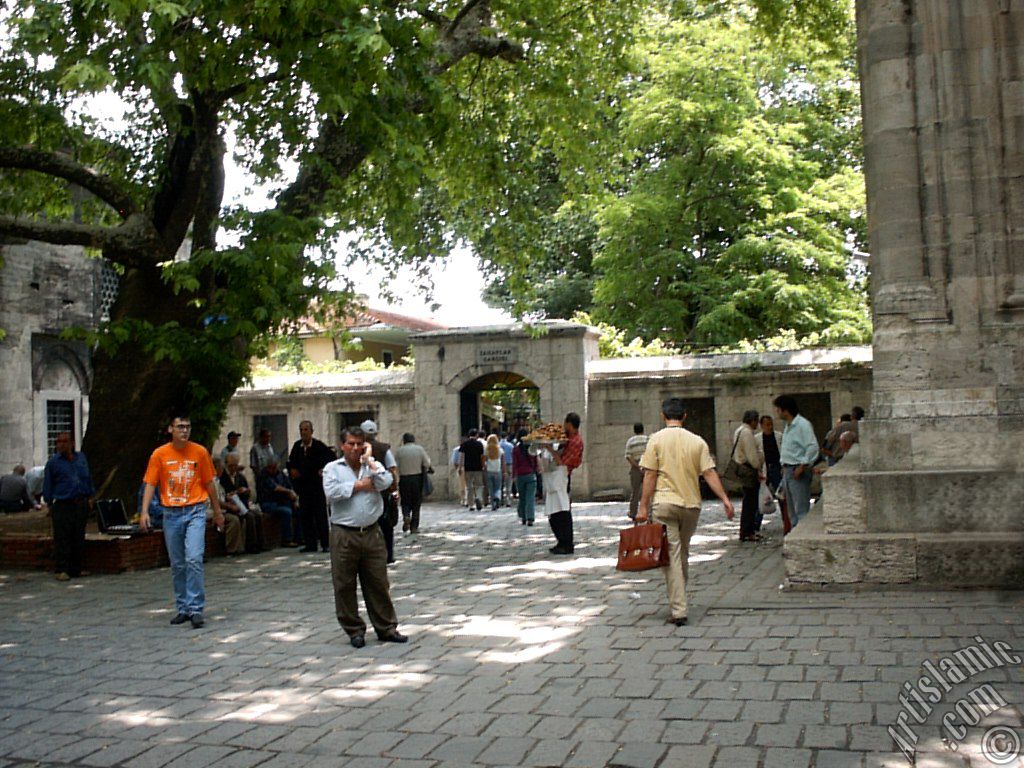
(182, 476)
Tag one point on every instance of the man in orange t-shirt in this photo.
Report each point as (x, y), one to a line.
(183, 470)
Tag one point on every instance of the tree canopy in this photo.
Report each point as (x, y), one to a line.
(392, 119)
(737, 200)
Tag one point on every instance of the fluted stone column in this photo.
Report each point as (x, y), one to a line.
(936, 491)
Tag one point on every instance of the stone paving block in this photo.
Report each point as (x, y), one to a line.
(598, 728)
(466, 724)
(372, 743)
(720, 709)
(738, 757)
(638, 755)
(795, 691)
(549, 752)
(158, 756)
(36, 748)
(510, 725)
(592, 754)
(788, 674)
(686, 732)
(506, 750)
(117, 753)
(870, 738)
(601, 707)
(827, 758)
(417, 745)
(844, 713)
(730, 734)
(642, 731)
(763, 711)
(691, 756)
(246, 758)
(554, 727)
(78, 749)
(784, 757)
(460, 749)
(779, 734)
(825, 737)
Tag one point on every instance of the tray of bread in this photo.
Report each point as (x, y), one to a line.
(546, 433)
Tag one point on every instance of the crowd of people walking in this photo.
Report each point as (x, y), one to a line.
(349, 503)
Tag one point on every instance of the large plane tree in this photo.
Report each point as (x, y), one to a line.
(395, 119)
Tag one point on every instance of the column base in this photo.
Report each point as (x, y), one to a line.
(816, 558)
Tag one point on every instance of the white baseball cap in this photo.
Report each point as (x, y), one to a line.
(369, 426)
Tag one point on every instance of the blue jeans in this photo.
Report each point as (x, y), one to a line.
(527, 487)
(494, 486)
(282, 512)
(185, 535)
(798, 494)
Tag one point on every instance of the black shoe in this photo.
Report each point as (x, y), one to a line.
(358, 641)
(406, 525)
(308, 549)
(529, 522)
(197, 620)
(394, 636)
(680, 622)
(479, 506)
(560, 551)
(181, 618)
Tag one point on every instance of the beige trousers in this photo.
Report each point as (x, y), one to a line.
(680, 523)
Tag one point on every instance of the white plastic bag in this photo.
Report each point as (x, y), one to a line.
(766, 500)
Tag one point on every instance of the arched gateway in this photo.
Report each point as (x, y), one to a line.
(461, 375)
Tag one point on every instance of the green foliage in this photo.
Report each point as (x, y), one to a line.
(445, 130)
(308, 367)
(612, 342)
(745, 196)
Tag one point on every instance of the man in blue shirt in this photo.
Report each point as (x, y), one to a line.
(68, 491)
(798, 452)
(353, 486)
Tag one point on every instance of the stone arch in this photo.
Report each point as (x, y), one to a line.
(458, 383)
(58, 367)
(470, 412)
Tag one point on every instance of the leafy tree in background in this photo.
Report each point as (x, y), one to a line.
(739, 197)
(391, 119)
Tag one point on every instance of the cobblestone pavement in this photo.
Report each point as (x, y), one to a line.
(516, 658)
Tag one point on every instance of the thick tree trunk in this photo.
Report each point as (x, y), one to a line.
(132, 394)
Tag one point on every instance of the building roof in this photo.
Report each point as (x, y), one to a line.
(361, 319)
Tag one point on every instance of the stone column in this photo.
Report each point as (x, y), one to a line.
(936, 491)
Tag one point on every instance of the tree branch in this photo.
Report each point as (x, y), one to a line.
(64, 167)
(122, 244)
(54, 232)
(463, 12)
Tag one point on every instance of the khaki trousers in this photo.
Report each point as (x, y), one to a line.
(361, 554)
(680, 523)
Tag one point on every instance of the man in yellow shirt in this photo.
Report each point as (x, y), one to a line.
(673, 462)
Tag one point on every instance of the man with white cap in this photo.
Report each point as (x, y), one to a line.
(382, 454)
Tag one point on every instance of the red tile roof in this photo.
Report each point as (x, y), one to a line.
(367, 317)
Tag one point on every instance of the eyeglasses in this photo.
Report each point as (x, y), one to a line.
(185, 427)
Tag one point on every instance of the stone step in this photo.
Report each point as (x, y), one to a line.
(813, 556)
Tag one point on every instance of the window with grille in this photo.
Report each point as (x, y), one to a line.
(60, 417)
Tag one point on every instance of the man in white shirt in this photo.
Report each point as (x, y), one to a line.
(352, 486)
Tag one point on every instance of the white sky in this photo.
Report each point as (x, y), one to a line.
(458, 282)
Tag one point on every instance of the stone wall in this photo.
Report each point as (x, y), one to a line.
(610, 395)
(727, 385)
(938, 480)
(43, 291)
